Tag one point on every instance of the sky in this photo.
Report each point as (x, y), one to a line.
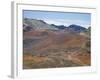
(60, 18)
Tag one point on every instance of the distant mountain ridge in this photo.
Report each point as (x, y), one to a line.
(37, 24)
(30, 24)
(59, 26)
(77, 28)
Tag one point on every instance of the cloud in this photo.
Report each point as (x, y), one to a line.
(57, 22)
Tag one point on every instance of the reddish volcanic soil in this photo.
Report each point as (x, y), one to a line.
(49, 49)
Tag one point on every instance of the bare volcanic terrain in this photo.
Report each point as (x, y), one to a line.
(48, 48)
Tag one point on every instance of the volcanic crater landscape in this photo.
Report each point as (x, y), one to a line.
(52, 46)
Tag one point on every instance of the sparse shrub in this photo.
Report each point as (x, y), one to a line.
(87, 46)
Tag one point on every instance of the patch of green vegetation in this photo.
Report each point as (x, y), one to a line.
(88, 32)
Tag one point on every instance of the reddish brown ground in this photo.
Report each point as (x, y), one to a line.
(56, 49)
